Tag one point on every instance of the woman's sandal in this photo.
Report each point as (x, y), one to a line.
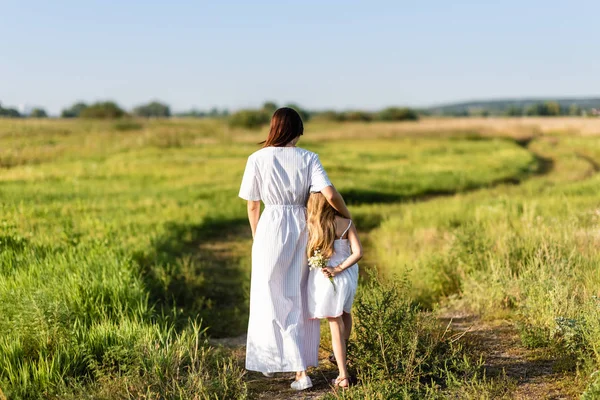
(337, 382)
(332, 359)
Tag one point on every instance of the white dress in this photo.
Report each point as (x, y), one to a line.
(281, 337)
(323, 299)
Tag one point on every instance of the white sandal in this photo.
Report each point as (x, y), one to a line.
(302, 383)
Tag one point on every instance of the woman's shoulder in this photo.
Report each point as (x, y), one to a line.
(306, 153)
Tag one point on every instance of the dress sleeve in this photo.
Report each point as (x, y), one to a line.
(318, 178)
(250, 188)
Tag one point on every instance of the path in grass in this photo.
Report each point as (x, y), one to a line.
(534, 374)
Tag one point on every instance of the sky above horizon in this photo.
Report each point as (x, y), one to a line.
(321, 55)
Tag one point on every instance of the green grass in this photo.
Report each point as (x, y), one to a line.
(114, 237)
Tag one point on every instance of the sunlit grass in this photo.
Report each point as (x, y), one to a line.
(140, 227)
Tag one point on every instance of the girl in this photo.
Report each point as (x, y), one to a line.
(336, 238)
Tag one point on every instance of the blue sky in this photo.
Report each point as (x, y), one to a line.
(320, 54)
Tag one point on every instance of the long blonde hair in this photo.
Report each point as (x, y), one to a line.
(321, 225)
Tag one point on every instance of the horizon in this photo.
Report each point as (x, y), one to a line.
(339, 55)
(28, 107)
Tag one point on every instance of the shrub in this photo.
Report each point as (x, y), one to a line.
(399, 352)
(102, 110)
(249, 119)
(393, 340)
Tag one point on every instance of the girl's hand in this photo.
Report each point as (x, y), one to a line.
(330, 272)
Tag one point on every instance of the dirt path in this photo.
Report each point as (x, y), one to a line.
(532, 370)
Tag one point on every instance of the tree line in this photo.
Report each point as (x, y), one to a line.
(519, 108)
(255, 118)
(247, 118)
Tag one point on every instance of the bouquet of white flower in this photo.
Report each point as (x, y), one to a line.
(318, 261)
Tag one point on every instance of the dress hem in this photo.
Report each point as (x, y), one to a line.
(272, 371)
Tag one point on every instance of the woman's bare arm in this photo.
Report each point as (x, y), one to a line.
(336, 200)
(253, 214)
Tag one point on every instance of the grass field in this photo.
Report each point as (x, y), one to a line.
(118, 238)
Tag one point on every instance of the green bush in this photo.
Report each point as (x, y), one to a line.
(102, 110)
(399, 352)
(392, 339)
(249, 119)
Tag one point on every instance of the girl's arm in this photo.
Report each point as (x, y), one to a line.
(350, 261)
(253, 214)
(336, 200)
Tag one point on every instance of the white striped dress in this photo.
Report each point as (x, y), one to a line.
(281, 337)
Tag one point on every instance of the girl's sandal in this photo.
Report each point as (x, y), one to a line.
(337, 382)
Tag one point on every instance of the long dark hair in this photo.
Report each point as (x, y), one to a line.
(286, 125)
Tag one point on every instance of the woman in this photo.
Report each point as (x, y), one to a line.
(281, 338)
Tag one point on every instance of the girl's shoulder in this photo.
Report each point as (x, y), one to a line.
(341, 224)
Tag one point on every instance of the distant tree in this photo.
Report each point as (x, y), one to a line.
(455, 113)
(574, 110)
(38, 113)
(9, 112)
(546, 109)
(193, 113)
(552, 108)
(74, 111)
(358, 115)
(153, 109)
(534, 109)
(328, 115)
(513, 111)
(214, 113)
(304, 114)
(249, 119)
(102, 110)
(397, 114)
(269, 107)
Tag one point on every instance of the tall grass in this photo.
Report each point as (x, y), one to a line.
(528, 253)
(114, 238)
